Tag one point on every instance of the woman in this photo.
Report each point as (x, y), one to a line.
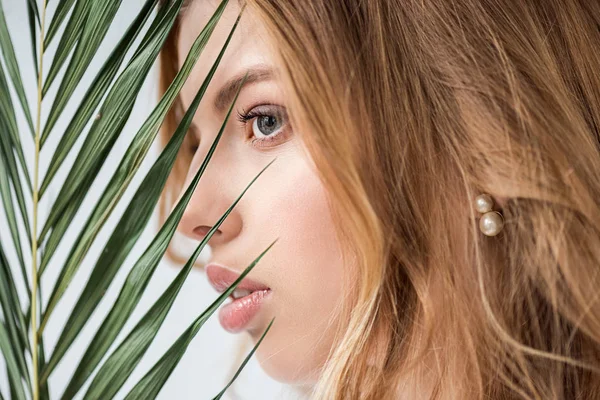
(436, 192)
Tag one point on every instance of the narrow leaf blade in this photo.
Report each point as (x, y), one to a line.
(62, 9)
(120, 364)
(130, 162)
(248, 357)
(151, 384)
(67, 41)
(34, 9)
(7, 115)
(138, 277)
(114, 114)
(12, 65)
(31, 17)
(14, 376)
(9, 211)
(10, 163)
(99, 18)
(141, 206)
(94, 94)
(14, 325)
(67, 274)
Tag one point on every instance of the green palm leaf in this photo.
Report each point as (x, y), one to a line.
(32, 6)
(151, 384)
(9, 144)
(15, 327)
(123, 360)
(29, 369)
(32, 14)
(114, 114)
(7, 114)
(94, 94)
(12, 65)
(11, 168)
(61, 12)
(136, 281)
(9, 211)
(17, 391)
(99, 16)
(131, 161)
(67, 41)
(243, 364)
(98, 134)
(126, 231)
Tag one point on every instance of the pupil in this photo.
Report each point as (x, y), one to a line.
(267, 124)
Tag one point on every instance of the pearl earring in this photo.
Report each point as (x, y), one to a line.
(491, 222)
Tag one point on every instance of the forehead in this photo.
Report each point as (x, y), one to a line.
(249, 44)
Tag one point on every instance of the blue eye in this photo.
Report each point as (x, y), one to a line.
(266, 124)
(270, 124)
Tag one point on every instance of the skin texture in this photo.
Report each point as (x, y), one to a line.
(289, 202)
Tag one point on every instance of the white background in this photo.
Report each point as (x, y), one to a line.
(214, 354)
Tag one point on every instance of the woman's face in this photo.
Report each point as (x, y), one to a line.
(303, 270)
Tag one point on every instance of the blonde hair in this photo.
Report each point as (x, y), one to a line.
(412, 108)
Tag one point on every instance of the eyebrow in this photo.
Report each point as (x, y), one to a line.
(227, 93)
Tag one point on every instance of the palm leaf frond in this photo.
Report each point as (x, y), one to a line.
(9, 144)
(12, 66)
(99, 17)
(68, 40)
(61, 12)
(82, 115)
(32, 5)
(7, 115)
(151, 384)
(114, 114)
(139, 276)
(9, 211)
(14, 325)
(12, 170)
(12, 365)
(31, 18)
(129, 164)
(140, 208)
(123, 360)
(134, 219)
(115, 93)
(100, 140)
(243, 364)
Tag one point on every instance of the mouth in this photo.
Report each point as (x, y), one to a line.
(239, 293)
(247, 297)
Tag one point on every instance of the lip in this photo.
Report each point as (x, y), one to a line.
(237, 314)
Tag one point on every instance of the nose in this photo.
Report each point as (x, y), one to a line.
(201, 231)
(214, 194)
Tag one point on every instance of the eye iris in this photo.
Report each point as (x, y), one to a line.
(267, 124)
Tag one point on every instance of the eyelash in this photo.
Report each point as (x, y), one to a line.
(245, 117)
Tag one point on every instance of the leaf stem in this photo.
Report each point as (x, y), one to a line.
(34, 241)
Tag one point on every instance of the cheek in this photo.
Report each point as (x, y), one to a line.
(306, 276)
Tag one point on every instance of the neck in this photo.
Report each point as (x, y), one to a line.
(302, 391)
